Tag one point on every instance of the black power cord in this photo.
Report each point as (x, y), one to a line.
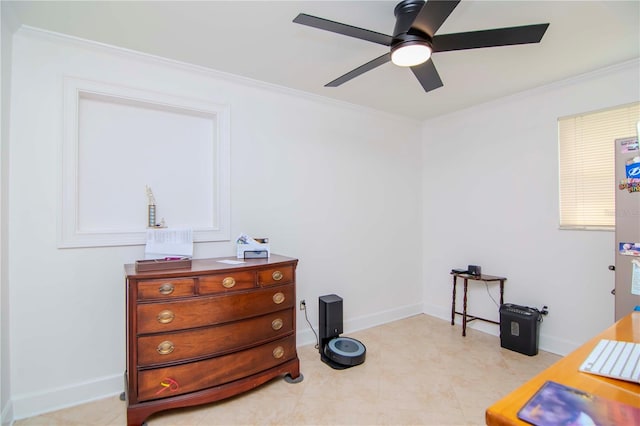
(542, 312)
(304, 308)
(489, 293)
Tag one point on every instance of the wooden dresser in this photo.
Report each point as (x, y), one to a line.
(208, 332)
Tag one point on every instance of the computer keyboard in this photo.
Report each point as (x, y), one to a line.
(615, 359)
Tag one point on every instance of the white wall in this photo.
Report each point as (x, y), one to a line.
(490, 198)
(339, 187)
(334, 185)
(8, 26)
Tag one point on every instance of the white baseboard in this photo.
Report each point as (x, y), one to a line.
(557, 346)
(545, 343)
(34, 404)
(7, 414)
(437, 311)
(445, 314)
(384, 317)
(306, 337)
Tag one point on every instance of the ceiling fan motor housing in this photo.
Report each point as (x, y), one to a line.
(406, 12)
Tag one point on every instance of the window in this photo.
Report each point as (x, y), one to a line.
(587, 174)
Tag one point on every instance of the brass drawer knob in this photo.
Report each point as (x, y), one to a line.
(166, 316)
(166, 288)
(278, 352)
(276, 324)
(228, 282)
(277, 275)
(278, 298)
(165, 348)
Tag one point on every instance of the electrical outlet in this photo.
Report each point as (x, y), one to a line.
(303, 305)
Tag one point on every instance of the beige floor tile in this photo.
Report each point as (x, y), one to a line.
(418, 371)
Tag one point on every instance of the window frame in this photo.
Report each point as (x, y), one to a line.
(586, 157)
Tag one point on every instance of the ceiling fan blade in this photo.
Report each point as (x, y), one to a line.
(360, 70)
(344, 29)
(489, 38)
(432, 15)
(427, 75)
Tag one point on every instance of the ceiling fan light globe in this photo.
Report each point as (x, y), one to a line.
(409, 55)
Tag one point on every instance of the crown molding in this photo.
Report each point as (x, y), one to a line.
(38, 33)
(622, 66)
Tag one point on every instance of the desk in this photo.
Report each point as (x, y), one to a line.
(565, 371)
(466, 277)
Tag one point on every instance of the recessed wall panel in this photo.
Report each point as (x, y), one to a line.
(118, 142)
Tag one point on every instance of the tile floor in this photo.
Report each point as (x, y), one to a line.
(419, 371)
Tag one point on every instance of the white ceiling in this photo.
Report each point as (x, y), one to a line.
(258, 40)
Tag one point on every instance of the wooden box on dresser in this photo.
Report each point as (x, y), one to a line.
(201, 334)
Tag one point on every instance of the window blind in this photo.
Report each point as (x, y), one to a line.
(587, 174)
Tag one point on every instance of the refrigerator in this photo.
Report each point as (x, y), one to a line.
(627, 233)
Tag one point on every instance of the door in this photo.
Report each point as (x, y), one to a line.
(627, 287)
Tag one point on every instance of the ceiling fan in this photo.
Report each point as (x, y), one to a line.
(414, 38)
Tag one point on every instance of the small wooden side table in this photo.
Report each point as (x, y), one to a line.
(466, 277)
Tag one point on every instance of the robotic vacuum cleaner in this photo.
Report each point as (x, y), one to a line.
(345, 351)
(335, 351)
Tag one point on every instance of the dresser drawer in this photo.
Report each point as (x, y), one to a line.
(210, 310)
(227, 282)
(167, 288)
(171, 381)
(277, 275)
(177, 346)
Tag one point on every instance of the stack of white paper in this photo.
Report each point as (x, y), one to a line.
(169, 243)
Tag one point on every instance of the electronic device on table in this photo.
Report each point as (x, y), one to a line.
(615, 359)
(474, 270)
